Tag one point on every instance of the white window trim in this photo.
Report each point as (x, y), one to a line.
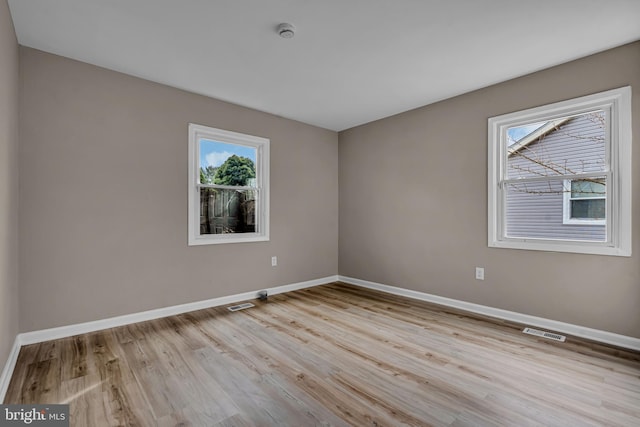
(566, 208)
(197, 132)
(617, 103)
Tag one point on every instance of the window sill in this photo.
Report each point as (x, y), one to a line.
(577, 247)
(222, 238)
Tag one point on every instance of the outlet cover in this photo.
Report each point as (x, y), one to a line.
(479, 273)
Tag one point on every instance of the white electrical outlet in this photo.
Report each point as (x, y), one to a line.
(274, 261)
(479, 273)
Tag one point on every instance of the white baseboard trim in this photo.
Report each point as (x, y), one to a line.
(34, 337)
(127, 319)
(7, 372)
(525, 319)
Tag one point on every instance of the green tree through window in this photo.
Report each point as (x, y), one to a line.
(235, 171)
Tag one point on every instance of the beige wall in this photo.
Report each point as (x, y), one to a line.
(103, 197)
(413, 205)
(103, 225)
(8, 183)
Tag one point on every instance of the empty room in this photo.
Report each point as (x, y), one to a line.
(332, 213)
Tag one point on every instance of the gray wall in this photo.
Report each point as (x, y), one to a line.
(103, 197)
(413, 205)
(103, 212)
(8, 183)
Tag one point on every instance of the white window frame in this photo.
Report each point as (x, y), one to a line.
(566, 208)
(198, 132)
(617, 106)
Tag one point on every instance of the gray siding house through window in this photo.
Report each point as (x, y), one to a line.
(537, 210)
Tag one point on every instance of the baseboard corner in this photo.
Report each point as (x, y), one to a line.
(9, 366)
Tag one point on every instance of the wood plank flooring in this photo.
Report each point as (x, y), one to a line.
(330, 355)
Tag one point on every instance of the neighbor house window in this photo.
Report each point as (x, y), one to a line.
(228, 186)
(585, 202)
(560, 176)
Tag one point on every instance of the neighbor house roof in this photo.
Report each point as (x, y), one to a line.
(537, 134)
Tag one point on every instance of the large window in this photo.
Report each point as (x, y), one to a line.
(228, 186)
(560, 176)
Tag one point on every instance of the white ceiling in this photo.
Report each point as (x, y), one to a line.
(350, 62)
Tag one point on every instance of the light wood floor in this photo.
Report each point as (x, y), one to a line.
(329, 355)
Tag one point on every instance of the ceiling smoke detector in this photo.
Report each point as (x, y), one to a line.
(286, 31)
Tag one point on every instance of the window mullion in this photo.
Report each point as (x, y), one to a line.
(555, 177)
(227, 187)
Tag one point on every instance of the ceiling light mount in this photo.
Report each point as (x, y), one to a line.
(286, 30)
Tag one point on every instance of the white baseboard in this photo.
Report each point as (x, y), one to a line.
(127, 319)
(525, 319)
(97, 325)
(5, 377)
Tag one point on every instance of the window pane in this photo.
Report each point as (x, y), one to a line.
(227, 164)
(565, 146)
(588, 209)
(227, 211)
(535, 210)
(588, 188)
(520, 133)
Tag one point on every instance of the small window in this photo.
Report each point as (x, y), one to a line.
(228, 186)
(560, 176)
(585, 202)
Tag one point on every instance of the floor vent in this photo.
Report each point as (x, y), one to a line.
(543, 334)
(240, 306)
